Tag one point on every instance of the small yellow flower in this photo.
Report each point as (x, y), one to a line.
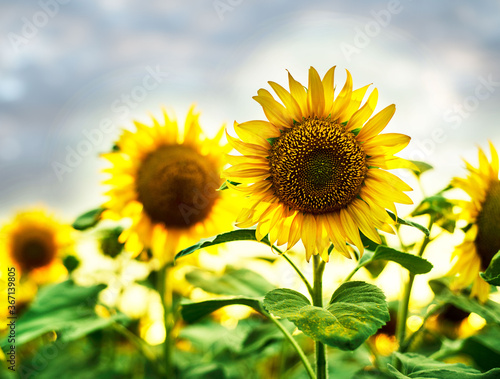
(482, 240)
(315, 170)
(167, 185)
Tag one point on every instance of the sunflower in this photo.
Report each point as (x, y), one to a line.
(482, 239)
(168, 186)
(34, 242)
(315, 170)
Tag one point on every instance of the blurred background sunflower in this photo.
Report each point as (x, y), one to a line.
(167, 183)
(482, 214)
(316, 169)
(35, 243)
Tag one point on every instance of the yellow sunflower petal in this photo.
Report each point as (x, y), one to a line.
(343, 99)
(299, 93)
(377, 123)
(363, 114)
(315, 94)
(274, 111)
(290, 103)
(328, 89)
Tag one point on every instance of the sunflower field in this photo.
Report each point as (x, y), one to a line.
(220, 191)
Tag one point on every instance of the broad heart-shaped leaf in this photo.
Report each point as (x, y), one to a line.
(65, 308)
(492, 273)
(412, 263)
(234, 282)
(355, 312)
(418, 366)
(422, 228)
(490, 310)
(235, 235)
(88, 219)
(192, 312)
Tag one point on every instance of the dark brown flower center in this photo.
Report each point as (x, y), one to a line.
(317, 166)
(177, 186)
(488, 224)
(33, 249)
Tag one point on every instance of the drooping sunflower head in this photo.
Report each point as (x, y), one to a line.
(482, 239)
(167, 184)
(315, 170)
(34, 242)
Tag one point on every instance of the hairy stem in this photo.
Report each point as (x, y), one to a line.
(318, 268)
(295, 345)
(404, 304)
(164, 288)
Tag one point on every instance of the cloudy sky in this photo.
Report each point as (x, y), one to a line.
(72, 72)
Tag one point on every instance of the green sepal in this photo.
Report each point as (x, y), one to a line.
(224, 185)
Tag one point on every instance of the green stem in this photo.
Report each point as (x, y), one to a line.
(318, 268)
(403, 305)
(354, 271)
(306, 282)
(164, 288)
(295, 345)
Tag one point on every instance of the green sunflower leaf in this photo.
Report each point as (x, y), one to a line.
(422, 228)
(483, 348)
(88, 220)
(355, 312)
(192, 312)
(235, 235)
(440, 208)
(234, 282)
(419, 366)
(490, 310)
(65, 308)
(422, 166)
(375, 268)
(492, 273)
(412, 263)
